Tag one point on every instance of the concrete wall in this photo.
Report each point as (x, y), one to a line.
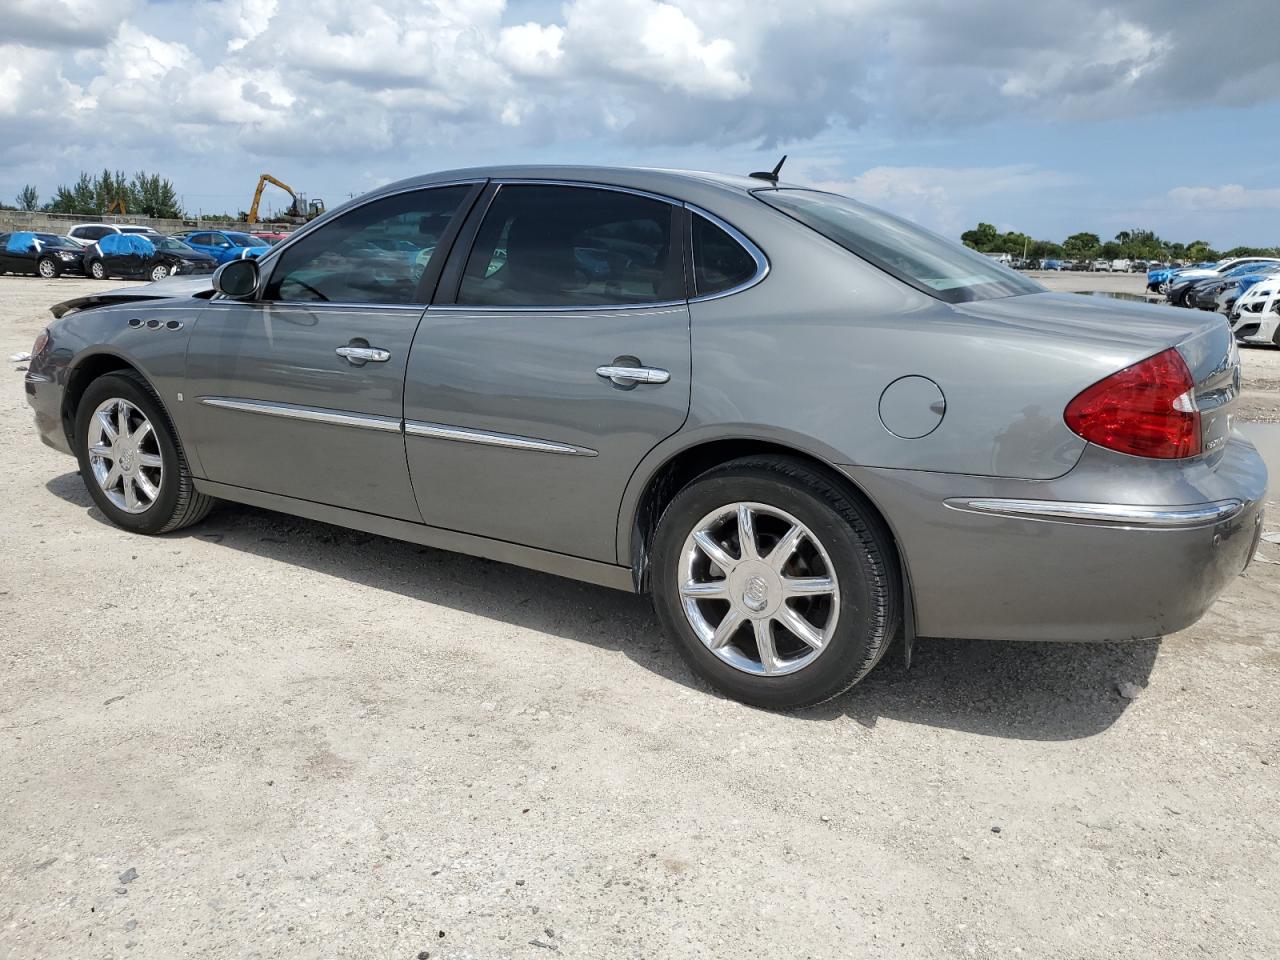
(11, 220)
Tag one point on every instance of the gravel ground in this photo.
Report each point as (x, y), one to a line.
(267, 737)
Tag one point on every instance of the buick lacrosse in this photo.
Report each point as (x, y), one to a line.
(803, 426)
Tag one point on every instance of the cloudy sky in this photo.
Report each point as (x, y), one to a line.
(1042, 117)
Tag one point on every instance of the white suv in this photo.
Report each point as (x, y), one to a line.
(86, 233)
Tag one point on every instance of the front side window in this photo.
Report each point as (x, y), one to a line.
(924, 260)
(557, 246)
(719, 261)
(374, 254)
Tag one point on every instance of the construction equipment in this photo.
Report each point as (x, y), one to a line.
(117, 206)
(300, 211)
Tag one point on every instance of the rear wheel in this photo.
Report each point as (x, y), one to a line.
(131, 459)
(780, 588)
(97, 270)
(47, 268)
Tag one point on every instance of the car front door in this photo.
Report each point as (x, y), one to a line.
(516, 427)
(300, 391)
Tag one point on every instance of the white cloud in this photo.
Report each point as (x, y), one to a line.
(1230, 197)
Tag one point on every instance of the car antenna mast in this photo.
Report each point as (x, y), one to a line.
(771, 175)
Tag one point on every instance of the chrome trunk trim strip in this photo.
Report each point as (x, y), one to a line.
(293, 411)
(440, 431)
(1111, 514)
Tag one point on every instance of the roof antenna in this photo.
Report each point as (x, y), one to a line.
(771, 175)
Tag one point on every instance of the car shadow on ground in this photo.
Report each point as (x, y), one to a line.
(1021, 691)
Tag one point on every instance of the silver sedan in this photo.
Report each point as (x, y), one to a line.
(805, 427)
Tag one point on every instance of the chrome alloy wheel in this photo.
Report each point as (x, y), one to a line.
(124, 454)
(759, 589)
(159, 272)
(47, 269)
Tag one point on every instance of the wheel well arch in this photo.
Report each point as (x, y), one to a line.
(78, 379)
(678, 470)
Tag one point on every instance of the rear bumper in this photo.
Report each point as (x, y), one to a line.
(1058, 560)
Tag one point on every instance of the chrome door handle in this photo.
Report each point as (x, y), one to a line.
(630, 376)
(364, 354)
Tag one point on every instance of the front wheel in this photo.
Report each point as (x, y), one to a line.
(159, 272)
(131, 459)
(780, 587)
(98, 270)
(47, 268)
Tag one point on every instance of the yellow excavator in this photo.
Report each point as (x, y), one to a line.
(117, 206)
(300, 211)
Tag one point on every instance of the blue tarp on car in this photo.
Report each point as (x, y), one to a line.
(126, 243)
(22, 242)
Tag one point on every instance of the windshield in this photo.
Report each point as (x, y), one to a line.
(244, 240)
(924, 260)
(172, 245)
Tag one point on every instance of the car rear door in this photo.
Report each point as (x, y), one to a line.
(516, 427)
(300, 392)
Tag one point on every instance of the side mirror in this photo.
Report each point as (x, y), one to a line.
(237, 279)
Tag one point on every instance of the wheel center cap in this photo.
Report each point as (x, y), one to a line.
(755, 596)
(126, 460)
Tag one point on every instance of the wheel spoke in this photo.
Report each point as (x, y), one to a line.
(802, 628)
(103, 450)
(784, 548)
(122, 419)
(109, 428)
(146, 486)
(765, 646)
(807, 586)
(130, 495)
(112, 477)
(746, 533)
(150, 460)
(706, 590)
(715, 553)
(727, 628)
(144, 428)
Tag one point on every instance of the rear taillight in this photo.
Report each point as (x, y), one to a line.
(1147, 410)
(42, 341)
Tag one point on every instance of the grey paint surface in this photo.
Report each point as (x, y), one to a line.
(801, 360)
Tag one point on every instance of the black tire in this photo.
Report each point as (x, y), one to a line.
(177, 504)
(47, 267)
(1188, 298)
(860, 549)
(97, 270)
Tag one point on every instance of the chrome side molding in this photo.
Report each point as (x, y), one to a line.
(440, 431)
(293, 411)
(1112, 514)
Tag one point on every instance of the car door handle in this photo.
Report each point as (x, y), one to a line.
(359, 355)
(630, 376)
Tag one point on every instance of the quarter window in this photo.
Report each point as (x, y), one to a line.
(553, 246)
(719, 262)
(375, 254)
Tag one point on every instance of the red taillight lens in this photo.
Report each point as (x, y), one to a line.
(42, 341)
(1147, 410)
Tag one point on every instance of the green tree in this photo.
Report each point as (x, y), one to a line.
(983, 237)
(146, 195)
(1082, 246)
(28, 198)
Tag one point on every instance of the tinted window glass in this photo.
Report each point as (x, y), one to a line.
(719, 261)
(374, 254)
(572, 246)
(928, 262)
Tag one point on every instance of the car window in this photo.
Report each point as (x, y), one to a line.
(551, 246)
(347, 260)
(924, 260)
(719, 261)
(92, 233)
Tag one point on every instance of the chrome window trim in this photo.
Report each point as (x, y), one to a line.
(596, 308)
(293, 411)
(414, 308)
(1110, 514)
(762, 262)
(441, 431)
(588, 184)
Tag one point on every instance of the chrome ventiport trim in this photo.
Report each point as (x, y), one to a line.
(293, 411)
(1065, 511)
(440, 431)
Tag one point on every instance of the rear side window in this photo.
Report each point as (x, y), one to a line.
(374, 254)
(557, 246)
(924, 260)
(719, 261)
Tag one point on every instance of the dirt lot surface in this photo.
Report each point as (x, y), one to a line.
(267, 737)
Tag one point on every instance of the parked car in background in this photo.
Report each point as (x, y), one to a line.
(43, 254)
(1221, 295)
(224, 245)
(1204, 272)
(1182, 287)
(152, 257)
(1051, 265)
(1255, 317)
(270, 236)
(830, 428)
(84, 234)
(1101, 266)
